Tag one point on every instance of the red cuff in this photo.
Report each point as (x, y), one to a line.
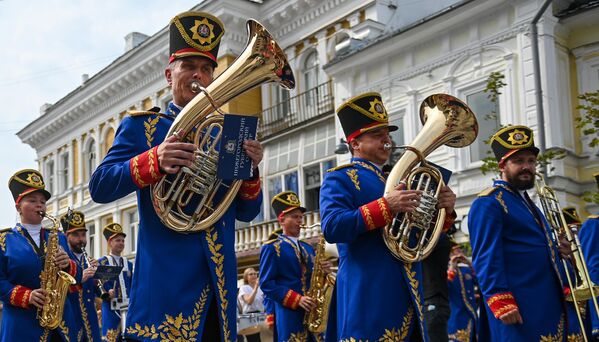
(72, 268)
(376, 214)
(145, 169)
(449, 220)
(250, 189)
(450, 275)
(292, 299)
(502, 303)
(19, 296)
(270, 320)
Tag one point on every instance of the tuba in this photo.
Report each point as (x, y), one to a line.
(54, 281)
(321, 289)
(447, 121)
(582, 287)
(184, 202)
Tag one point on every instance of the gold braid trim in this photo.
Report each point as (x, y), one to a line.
(559, 336)
(150, 126)
(45, 335)
(393, 334)
(174, 328)
(136, 172)
(3, 241)
(414, 288)
(219, 261)
(499, 198)
(88, 329)
(368, 216)
(112, 335)
(65, 330)
(353, 175)
(151, 164)
(462, 335)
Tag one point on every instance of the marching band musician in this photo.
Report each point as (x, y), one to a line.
(82, 295)
(286, 265)
(589, 235)
(22, 255)
(463, 321)
(188, 276)
(378, 296)
(118, 290)
(515, 258)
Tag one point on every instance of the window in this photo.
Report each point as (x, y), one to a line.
(311, 67)
(284, 155)
(312, 180)
(49, 177)
(90, 159)
(280, 183)
(91, 239)
(487, 114)
(320, 142)
(281, 102)
(64, 172)
(131, 226)
(397, 137)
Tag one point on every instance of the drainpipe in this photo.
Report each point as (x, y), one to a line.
(534, 36)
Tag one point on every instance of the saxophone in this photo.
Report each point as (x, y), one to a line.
(53, 280)
(321, 290)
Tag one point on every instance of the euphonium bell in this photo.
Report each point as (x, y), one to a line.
(185, 202)
(447, 121)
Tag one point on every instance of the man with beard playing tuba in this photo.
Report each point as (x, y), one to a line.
(385, 294)
(516, 260)
(183, 284)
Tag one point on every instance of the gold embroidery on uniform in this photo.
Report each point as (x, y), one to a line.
(463, 291)
(175, 328)
(3, 241)
(368, 216)
(219, 260)
(353, 175)
(278, 248)
(575, 337)
(383, 206)
(301, 336)
(80, 335)
(112, 335)
(150, 126)
(151, 164)
(559, 336)
(88, 329)
(65, 330)
(462, 335)
(499, 198)
(393, 334)
(45, 335)
(414, 287)
(371, 168)
(136, 172)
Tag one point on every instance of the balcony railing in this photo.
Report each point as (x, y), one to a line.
(249, 239)
(308, 105)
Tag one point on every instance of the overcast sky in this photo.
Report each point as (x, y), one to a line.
(46, 46)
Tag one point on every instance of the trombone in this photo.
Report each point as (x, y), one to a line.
(586, 289)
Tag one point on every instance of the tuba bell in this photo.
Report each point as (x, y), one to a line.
(184, 201)
(447, 121)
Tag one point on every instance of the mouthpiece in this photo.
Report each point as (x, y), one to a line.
(41, 213)
(196, 86)
(387, 147)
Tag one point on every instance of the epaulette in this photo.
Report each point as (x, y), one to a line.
(340, 167)
(4, 230)
(151, 111)
(488, 191)
(270, 241)
(593, 216)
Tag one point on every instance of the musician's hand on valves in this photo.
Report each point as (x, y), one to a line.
(253, 148)
(38, 298)
(307, 303)
(564, 247)
(446, 199)
(512, 317)
(62, 260)
(172, 154)
(401, 200)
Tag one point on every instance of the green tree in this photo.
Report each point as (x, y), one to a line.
(588, 123)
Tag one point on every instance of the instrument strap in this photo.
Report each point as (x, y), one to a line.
(40, 251)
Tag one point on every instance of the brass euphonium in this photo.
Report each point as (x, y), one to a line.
(447, 121)
(184, 202)
(53, 280)
(321, 288)
(582, 287)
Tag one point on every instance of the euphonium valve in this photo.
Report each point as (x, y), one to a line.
(188, 201)
(447, 121)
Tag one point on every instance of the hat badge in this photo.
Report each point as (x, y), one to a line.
(35, 180)
(203, 31)
(76, 219)
(518, 137)
(292, 198)
(377, 109)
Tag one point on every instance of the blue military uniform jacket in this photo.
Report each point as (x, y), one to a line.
(285, 272)
(83, 301)
(111, 320)
(177, 275)
(378, 296)
(462, 324)
(589, 241)
(20, 268)
(517, 265)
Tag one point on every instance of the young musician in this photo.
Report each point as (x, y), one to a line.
(22, 258)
